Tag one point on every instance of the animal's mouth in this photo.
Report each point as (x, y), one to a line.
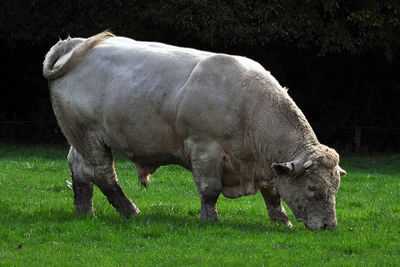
(313, 228)
(323, 226)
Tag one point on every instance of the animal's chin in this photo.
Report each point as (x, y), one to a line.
(320, 226)
(309, 226)
(313, 227)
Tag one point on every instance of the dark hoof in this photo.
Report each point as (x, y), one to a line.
(209, 217)
(85, 210)
(132, 211)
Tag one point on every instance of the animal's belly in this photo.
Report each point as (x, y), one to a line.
(145, 144)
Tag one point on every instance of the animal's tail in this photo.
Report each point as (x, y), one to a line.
(67, 53)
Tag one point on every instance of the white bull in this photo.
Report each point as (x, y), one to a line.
(223, 117)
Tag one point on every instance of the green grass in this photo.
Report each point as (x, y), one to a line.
(39, 227)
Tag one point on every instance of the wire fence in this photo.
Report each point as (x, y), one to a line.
(349, 138)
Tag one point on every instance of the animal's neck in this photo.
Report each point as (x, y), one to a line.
(283, 133)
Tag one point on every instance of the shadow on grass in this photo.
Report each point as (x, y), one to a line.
(154, 218)
(159, 219)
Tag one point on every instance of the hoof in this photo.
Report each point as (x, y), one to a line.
(85, 210)
(209, 216)
(209, 219)
(131, 211)
(288, 223)
(280, 216)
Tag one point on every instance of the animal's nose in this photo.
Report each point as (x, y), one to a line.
(329, 226)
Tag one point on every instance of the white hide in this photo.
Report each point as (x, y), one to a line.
(145, 99)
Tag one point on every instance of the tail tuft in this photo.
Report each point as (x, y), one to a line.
(67, 53)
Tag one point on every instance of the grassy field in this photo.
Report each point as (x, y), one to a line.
(39, 227)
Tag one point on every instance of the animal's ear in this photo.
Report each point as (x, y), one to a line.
(294, 168)
(283, 168)
(341, 171)
(307, 164)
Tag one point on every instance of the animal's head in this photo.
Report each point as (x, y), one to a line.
(309, 185)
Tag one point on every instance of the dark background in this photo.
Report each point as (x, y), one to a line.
(339, 59)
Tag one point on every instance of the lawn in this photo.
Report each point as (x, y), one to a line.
(39, 227)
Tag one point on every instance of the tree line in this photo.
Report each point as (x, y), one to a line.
(338, 58)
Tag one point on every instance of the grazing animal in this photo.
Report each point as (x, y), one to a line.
(223, 117)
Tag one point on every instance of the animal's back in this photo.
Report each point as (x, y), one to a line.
(145, 99)
(125, 93)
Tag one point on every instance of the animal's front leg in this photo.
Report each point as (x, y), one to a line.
(276, 211)
(206, 165)
(98, 168)
(209, 210)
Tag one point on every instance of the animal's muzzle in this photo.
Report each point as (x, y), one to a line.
(322, 226)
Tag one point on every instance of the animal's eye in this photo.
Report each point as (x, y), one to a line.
(312, 188)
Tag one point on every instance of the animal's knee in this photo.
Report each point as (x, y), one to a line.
(271, 196)
(81, 172)
(75, 161)
(209, 190)
(207, 159)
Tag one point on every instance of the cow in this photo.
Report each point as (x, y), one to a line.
(222, 117)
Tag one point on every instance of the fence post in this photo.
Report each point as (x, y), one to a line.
(357, 138)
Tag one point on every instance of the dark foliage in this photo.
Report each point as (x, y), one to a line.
(340, 59)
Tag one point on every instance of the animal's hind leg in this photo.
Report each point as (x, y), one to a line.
(98, 167)
(82, 183)
(106, 179)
